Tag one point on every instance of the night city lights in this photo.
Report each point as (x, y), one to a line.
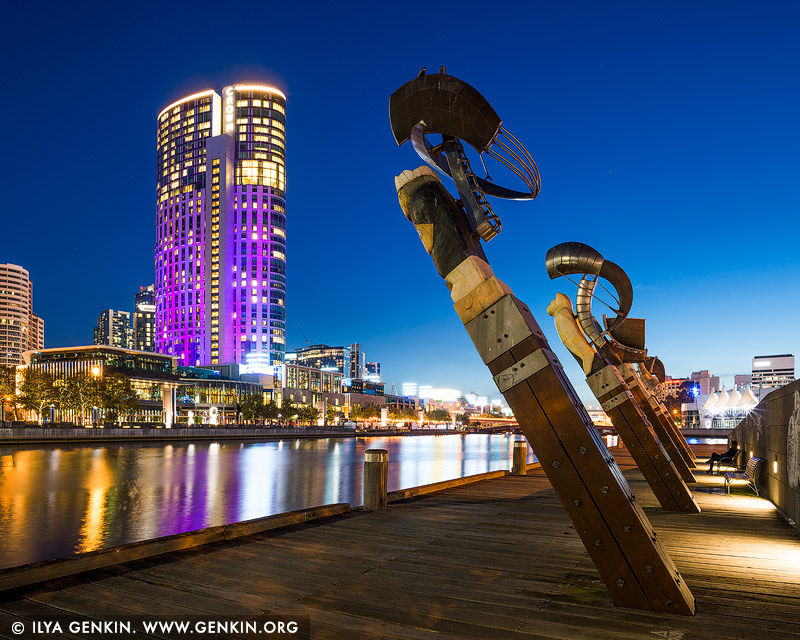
(451, 321)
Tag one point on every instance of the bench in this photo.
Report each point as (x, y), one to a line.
(748, 475)
(729, 461)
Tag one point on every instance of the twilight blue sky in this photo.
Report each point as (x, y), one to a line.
(666, 134)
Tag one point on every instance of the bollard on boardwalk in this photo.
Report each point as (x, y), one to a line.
(519, 465)
(376, 475)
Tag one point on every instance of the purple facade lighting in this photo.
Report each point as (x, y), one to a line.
(221, 228)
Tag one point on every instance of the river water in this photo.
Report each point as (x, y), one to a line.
(56, 500)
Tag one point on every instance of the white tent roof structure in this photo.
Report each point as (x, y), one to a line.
(711, 401)
(748, 399)
(734, 399)
(722, 402)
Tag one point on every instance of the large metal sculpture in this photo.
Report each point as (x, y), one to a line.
(616, 533)
(621, 340)
(601, 359)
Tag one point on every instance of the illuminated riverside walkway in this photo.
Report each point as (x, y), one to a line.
(493, 559)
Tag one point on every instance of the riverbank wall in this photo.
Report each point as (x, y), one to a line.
(46, 435)
(771, 432)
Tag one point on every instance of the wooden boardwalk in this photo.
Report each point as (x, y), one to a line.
(494, 559)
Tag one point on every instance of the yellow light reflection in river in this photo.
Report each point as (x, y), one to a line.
(93, 532)
(258, 480)
(212, 482)
(334, 474)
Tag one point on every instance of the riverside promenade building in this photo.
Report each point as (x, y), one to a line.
(221, 228)
(20, 328)
(166, 392)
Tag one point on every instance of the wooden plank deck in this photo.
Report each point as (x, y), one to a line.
(494, 559)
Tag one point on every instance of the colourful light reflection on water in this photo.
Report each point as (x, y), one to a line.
(55, 501)
(707, 440)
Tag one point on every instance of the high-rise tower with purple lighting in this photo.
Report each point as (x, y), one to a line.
(220, 252)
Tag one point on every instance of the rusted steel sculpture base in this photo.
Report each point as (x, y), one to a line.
(617, 535)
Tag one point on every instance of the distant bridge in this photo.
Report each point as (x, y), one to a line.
(487, 424)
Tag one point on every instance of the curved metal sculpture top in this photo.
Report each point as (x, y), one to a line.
(442, 104)
(652, 372)
(570, 258)
(655, 368)
(446, 105)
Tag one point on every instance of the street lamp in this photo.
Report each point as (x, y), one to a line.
(96, 375)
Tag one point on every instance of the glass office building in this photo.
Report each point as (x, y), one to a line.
(321, 356)
(221, 228)
(144, 319)
(114, 329)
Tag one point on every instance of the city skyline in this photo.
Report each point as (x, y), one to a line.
(665, 137)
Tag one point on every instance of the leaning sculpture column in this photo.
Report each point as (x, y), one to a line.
(615, 531)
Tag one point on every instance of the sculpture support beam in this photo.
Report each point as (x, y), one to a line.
(673, 442)
(637, 433)
(647, 378)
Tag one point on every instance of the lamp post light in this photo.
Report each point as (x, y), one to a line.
(224, 404)
(96, 376)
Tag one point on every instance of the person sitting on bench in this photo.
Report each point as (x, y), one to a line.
(728, 456)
